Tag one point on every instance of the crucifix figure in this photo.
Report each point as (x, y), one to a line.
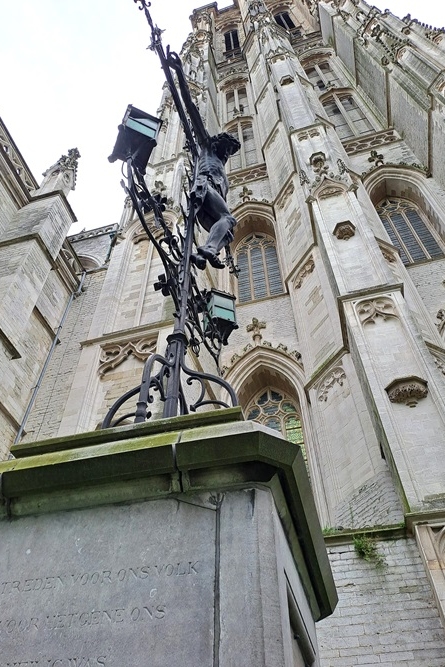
(210, 183)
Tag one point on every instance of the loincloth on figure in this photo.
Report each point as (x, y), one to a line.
(201, 185)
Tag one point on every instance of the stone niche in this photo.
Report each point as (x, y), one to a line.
(183, 542)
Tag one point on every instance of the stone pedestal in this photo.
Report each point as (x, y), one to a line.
(191, 541)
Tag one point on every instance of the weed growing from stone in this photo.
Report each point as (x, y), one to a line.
(366, 548)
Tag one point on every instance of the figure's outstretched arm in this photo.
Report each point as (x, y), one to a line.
(198, 126)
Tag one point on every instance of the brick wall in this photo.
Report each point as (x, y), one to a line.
(385, 615)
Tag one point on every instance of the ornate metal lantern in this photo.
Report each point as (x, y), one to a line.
(220, 312)
(137, 137)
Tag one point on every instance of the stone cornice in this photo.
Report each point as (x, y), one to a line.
(339, 537)
(428, 516)
(93, 233)
(56, 193)
(127, 335)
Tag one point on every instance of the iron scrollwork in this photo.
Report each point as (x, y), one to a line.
(182, 259)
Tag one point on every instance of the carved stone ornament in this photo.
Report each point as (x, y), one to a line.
(376, 158)
(337, 376)
(14, 156)
(344, 230)
(370, 141)
(303, 178)
(257, 7)
(93, 233)
(201, 20)
(342, 168)
(388, 255)
(440, 365)
(113, 354)
(141, 235)
(283, 349)
(332, 191)
(308, 267)
(255, 329)
(286, 195)
(245, 194)
(308, 134)
(408, 390)
(441, 323)
(318, 163)
(247, 175)
(371, 310)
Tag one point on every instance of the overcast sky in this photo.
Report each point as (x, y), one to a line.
(70, 68)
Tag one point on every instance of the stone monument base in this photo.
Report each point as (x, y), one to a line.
(182, 542)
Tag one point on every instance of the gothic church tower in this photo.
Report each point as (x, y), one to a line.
(339, 194)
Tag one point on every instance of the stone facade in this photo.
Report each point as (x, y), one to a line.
(385, 615)
(339, 108)
(39, 276)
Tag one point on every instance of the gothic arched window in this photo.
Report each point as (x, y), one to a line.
(271, 408)
(284, 21)
(321, 76)
(408, 231)
(231, 41)
(247, 154)
(348, 118)
(236, 103)
(260, 275)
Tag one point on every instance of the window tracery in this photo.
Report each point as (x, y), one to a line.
(346, 115)
(321, 75)
(285, 21)
(409, 231)
(260, 275)
(237, 103)
(275, 410)
(247, 154)
(231, 42)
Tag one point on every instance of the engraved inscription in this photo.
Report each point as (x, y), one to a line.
(106, 587)
(62, 581)
(83, 661)
(83, 619)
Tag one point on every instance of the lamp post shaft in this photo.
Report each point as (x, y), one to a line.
(177, 341)
(206, 201)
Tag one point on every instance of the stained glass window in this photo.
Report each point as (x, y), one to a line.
(278, 412)
(260, 275)
(408, 231)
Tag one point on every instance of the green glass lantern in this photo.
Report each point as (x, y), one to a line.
(137, 137)
(219, 314)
